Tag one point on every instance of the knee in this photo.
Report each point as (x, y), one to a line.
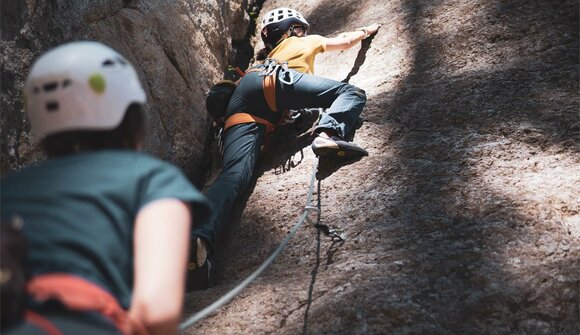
(359, 93)
(362, 94)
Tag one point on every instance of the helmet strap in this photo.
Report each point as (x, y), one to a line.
(282, 38)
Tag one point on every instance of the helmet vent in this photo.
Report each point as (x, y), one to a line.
(108, 62)
(49, 87)
(52, 106)
(121, 61)
(36, 89)
(66, 82)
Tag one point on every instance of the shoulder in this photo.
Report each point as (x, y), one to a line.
(314, 37)
(138, 161)
(316, 41)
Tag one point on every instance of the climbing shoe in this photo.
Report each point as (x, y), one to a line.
(198, 268)
(336, 147)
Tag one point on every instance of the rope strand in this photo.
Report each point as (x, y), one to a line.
(236, 290)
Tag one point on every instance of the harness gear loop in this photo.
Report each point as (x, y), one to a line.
(269, 67)
(272, 66)
(284, 72)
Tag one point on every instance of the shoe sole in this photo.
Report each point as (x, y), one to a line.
(341, 153)
(199, 278)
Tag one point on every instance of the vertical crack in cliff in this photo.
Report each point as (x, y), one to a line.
(244, 49)
(161, 120)
(171, 57)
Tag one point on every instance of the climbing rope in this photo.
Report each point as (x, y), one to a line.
(236, 290)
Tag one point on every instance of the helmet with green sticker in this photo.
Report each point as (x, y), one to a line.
(80, 86)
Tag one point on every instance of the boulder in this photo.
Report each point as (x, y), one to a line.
(179, 48)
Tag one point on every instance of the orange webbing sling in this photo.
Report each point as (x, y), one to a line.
(269, 89)
(269, 85)
(239, 118)
(78, 294)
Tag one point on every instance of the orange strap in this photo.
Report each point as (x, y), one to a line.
(78, 294)
(42, 323)
(270, 91)
(239, 72)
(239, 118)
(269, 88)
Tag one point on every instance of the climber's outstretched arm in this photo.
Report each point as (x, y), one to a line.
(347, 40)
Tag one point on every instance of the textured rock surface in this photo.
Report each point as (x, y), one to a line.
(178, 47)
(465, 217)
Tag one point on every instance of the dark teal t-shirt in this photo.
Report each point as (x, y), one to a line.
(79, 212)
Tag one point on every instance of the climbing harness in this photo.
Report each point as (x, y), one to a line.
(271, 71)
(272, 66)
(236, 290)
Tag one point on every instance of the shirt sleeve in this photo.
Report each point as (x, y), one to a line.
(167, 181)
(318, 43)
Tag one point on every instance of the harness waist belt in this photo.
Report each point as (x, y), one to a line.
(239, 118)
(78, 294)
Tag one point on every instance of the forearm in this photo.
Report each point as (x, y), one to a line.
(141, 314)
(161, 248)
(345, 41)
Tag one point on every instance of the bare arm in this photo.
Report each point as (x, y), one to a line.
(161, 247)
(347, 40)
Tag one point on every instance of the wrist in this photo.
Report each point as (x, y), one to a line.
(365, 31)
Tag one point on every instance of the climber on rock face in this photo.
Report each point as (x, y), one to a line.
(106, 226)
(281, 80)
(284, 32)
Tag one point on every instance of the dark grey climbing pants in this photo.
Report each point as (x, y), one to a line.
(242, 142)
(242, 145)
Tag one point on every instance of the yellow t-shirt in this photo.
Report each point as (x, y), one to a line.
(299, 52)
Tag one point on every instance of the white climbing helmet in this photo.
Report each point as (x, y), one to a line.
(283, 14)
(80, 86)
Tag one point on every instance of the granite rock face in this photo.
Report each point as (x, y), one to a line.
(179, 48)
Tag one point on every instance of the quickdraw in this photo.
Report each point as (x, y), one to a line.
(333, 233)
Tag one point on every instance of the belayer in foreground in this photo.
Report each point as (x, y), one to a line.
(107, 226)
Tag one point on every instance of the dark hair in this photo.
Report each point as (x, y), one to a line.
(272, 35)
(263, 53)
(128, 135)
